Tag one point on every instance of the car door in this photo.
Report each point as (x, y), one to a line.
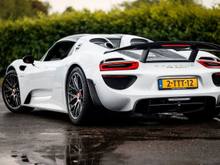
(41, 80)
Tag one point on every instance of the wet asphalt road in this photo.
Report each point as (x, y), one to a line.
(43, 137)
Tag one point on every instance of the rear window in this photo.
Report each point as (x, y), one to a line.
(164, 55)
(116, 42)
(138, 41)
(155, 55)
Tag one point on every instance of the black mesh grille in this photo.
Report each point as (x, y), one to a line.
(159, 105)
(120, 81)
(216, 79)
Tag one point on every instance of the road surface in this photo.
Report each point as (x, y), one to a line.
(44, 137)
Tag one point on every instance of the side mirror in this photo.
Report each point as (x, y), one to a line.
(28, 59)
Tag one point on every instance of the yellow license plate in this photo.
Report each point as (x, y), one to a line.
(178, 83)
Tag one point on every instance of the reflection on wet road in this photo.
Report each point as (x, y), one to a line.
(44, 137)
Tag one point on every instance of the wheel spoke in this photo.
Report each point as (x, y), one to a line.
(73, 109)
(15, 83)
(9, 97)
(70, 94)
(76, 82)
(73, 106)
(13, 100)
(7, 90)
(74, 98)
(72, 84)
(71, 88)
(76, 109)
(79, 108)
(17, 100)
(9, 83)
(8, 87)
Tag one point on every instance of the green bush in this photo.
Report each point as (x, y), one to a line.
(163, 21)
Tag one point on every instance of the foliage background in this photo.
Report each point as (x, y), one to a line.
(161, 20)
(14, 9)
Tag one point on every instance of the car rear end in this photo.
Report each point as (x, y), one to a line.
(157, 84)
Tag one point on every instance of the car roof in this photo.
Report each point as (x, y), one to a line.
(75, 38)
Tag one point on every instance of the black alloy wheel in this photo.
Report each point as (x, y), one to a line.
(11, 93)
(79, 103)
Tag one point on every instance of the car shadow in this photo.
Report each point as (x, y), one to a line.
(107, 119)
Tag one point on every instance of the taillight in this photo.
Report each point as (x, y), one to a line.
(123, 65)
(216, 79)
(176, 45)
(210, 64)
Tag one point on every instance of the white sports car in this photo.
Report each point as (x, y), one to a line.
(122, 73)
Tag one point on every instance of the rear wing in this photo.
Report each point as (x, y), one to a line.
(179, 45)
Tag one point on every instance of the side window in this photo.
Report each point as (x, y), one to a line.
(103, 42)
(99, 41)
(59, 51)
(116, 41)
(138, 41)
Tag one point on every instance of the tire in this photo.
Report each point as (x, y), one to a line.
(11, 93)
(205, 114)
(78, 98)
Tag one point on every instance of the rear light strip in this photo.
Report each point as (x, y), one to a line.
(115, 66)
(176, 45)
(210, 64)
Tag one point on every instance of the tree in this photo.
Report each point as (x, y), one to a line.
(128, 5)
(184, 2)
(137, 3)
(39, 6)
(69, 9)
(13, 9)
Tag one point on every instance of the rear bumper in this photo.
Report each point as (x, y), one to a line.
(127, 100)
(175, 104)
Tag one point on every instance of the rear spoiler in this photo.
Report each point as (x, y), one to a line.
(195, 46)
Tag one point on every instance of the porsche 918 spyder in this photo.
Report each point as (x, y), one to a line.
(122, 73)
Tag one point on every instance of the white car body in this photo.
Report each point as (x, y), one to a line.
(42, 85)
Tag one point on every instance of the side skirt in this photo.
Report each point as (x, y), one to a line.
(94, 96)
